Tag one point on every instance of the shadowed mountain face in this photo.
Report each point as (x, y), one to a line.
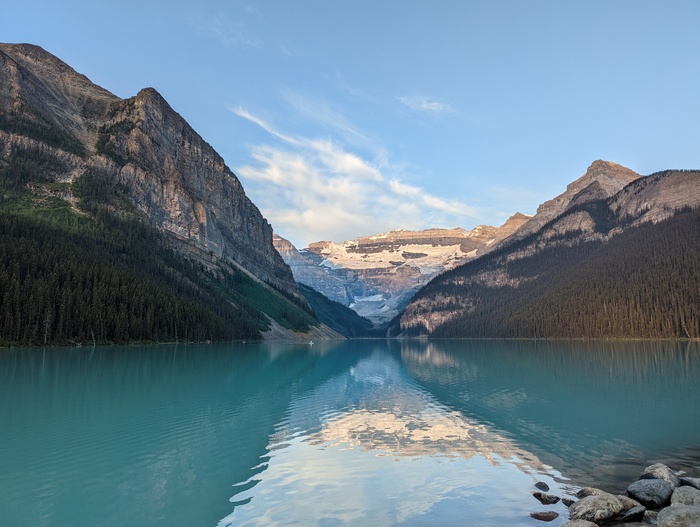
(594, 262)
(175, 180)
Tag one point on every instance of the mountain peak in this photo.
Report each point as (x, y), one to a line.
(611, 177)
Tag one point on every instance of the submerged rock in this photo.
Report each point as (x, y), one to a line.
(542, 486)
(545, 516)
(685, 496)
(597, 508)
(546, 499)
(679, 516)
(661, 471)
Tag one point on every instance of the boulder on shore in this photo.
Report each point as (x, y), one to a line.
(579, 523)
(679, 516)
(691, 482)
(661, 471)
(652, 493)
(685, 496)
(598, 508)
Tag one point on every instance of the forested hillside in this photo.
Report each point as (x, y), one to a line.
(95, 272)
(338, 317)
(642, 283)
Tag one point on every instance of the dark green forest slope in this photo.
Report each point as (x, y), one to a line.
(96, 272)
(642, 283)
(338, 317)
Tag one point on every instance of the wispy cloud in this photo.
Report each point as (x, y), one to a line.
(314, 189)
(225, 30)
(426, 103)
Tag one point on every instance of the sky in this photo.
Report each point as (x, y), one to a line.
(350, 118)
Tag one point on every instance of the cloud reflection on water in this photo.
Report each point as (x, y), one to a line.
(371, 444)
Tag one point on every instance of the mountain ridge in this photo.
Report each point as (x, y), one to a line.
(163, 243)
(175, 177)
(521, 268)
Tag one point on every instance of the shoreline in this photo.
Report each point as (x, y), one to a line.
(660, 496)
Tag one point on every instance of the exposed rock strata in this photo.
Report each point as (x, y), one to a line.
(377, 275)
(170, 174)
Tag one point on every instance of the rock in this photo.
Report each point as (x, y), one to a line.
(547, 499)
(579, 523)
(635, 514)
(597, 508)
(661, 471)
(652, 493)
(589, 491)
(568, 502)
(542, 486)
(627, 502)
(685, 496)
(545, 516)
(650, 517)
(679, 516)
(691, 482)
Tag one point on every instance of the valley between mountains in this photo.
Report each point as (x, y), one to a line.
(119, 223)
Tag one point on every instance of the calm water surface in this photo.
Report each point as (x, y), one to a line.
(358, 433)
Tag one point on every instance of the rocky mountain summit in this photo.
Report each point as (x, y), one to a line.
(602, 180)
(141, 145)
(612, 256)
(377, 275)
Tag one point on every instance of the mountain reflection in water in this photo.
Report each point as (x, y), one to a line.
(388, 433)
(422, 431)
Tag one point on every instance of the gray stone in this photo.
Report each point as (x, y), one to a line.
(635, 514)
(650, 517)
(685, 496)
(627, 502)
(691, 482)
(661, 471)
(652, 493)
(545, 516)
(679, 516)
(568, 502)
(598, 508)
(589, 491)
(542, 486)
(579, 523)
(546, 499)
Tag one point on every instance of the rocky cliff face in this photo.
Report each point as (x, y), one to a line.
(377, 275)
(170, 174)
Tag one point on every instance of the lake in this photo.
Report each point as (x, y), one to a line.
(385, 433)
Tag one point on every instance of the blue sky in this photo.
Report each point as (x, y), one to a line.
(350, 118)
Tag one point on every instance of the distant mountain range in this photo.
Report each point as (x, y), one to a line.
(377, 275)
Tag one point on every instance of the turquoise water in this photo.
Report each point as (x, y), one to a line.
(357, 433)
